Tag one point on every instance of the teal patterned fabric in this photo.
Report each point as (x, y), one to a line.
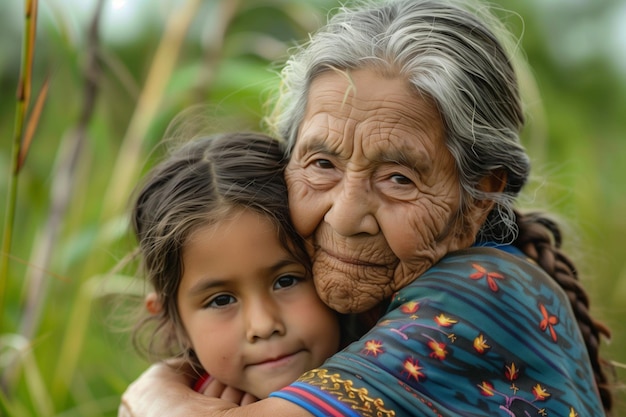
(482, 333)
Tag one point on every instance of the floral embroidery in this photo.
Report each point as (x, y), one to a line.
(490, 276)
(445, 321)
(410, 308)
(480, 344)
(438, 349)
(540, 393)
(511, 372)
(548, 322)
(487, 389)
(412, 369)
(373, 347)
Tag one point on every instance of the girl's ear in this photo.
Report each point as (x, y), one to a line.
(152, 303)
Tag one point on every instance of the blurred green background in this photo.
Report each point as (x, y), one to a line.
(111, 97)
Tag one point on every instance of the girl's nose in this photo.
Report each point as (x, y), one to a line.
(263, 320)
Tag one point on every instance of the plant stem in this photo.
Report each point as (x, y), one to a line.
(22, 102)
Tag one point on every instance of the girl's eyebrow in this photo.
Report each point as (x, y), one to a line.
(208, 283)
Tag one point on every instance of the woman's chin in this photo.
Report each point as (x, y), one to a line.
(346, 295)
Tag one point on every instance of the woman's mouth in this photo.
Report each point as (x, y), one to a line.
(350, 260)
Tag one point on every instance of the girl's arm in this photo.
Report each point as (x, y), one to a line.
(161, 391)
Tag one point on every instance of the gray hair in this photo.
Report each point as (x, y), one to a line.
(448, 54)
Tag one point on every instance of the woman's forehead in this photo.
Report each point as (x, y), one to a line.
(363, 89)
(377, 114)
(366, 96)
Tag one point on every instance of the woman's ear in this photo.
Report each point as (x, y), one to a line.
(494, 182)
(477, 211)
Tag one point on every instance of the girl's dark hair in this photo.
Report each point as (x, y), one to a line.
(201, 183)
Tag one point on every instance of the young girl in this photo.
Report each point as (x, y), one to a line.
(231, 278)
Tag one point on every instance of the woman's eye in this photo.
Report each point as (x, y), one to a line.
(400, 179)
(286, 281)
(324, 164)
(220, 301)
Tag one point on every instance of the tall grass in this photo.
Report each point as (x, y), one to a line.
(58, 355)
(107, 106)
(20, 143)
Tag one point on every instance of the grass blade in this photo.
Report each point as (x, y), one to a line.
(32, 124)
(22, 102)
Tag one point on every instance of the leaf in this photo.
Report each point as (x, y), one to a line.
(32, 123)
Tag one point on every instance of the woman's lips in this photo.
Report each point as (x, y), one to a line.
(350, 260)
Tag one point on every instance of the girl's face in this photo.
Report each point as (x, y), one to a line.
(249, 309)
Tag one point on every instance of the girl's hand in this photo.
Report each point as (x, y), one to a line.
(216, 389)
(165, 390)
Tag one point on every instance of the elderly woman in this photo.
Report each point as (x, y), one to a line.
(403, 121)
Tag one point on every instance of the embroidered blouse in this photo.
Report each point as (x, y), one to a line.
(482, 333)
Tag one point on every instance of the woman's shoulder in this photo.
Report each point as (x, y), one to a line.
(498, 293)
(489, 294)
(498, 321)
(492, 271)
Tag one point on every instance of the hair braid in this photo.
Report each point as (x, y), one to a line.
(540, 239)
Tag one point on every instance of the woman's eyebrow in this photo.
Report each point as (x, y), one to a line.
(417, 160)
(314, 145)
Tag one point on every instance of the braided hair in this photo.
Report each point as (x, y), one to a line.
(540, 239)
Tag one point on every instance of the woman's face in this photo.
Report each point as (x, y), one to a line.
(373, 184)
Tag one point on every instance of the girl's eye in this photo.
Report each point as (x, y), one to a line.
(324, 164)
(221, 301)
(286, 281)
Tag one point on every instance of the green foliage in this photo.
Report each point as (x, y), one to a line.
(60, 348)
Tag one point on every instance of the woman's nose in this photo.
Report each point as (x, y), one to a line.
(263, 320)
(352, 208)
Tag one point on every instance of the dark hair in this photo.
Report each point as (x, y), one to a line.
(202, 183)
(454, 55)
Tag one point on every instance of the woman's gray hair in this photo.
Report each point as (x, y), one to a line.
(447, 53)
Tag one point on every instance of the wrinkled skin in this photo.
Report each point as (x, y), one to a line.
(372, 183)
